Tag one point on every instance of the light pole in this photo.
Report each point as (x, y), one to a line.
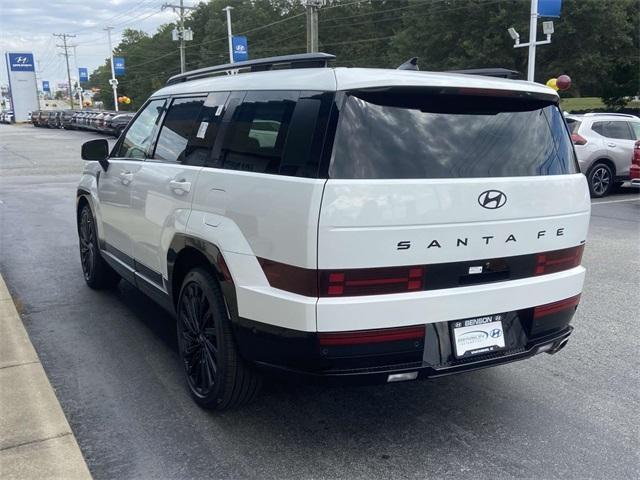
(532, 44)
(113, 81)
(229, 34)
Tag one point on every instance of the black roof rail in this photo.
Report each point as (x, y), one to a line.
(490, 72)
(300, 60)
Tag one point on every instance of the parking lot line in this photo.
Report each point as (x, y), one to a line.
(617, 201)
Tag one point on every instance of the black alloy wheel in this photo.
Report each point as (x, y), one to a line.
(217, 377)
(97, 273)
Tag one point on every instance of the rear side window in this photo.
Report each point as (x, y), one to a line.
(177, 129)
(408, 133)
(257, 134)
(613, 129)
(573, 125)
(635, 126)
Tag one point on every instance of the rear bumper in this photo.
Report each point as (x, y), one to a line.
(370, 376)
(303, 356)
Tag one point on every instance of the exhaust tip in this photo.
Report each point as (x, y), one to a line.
(560, 346)
(402, 377)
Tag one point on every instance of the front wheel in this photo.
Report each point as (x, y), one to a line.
(600, 180)
(97, 273)
(217, 377)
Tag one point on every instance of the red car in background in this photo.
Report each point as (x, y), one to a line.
(634, 171)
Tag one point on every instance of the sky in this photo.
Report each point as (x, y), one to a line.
(29, 25)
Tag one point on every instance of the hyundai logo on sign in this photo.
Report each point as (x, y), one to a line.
(21, 62)
(45, 86)
(492, 199)
(83, 74)
(118, 65)
(240, 49)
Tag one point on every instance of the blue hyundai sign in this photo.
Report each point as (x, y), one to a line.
(240, 49)
(549, 8)
(83, 74)
(21, 62)
(118, 65)
(45, 86)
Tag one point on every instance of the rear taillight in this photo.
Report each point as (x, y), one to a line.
(578, 139)
(636, 154)
(360, 337)
(371, 281)
(556, 307)
(558, 260)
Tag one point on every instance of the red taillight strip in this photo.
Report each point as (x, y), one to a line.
(555, 307)
(360, 337)
(558, 260)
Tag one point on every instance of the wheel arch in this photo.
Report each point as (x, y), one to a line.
(187, 252)
(607, 161)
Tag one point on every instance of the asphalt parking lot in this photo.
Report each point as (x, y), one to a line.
(112, 359)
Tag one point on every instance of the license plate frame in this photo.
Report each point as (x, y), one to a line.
(478, 335)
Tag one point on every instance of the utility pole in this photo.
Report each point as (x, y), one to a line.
(37, 72)
(229, 34)
(75, 63)
(113, 81)
(312, 24)
(64, 45)
(547, 28)
(181, 34)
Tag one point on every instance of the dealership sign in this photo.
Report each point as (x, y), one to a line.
(45, 86)
(21, 62)
(240, 49)
(83, 74)
(118, 65)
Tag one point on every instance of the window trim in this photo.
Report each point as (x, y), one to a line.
(123, 135)
(626, 122)
(167, 107)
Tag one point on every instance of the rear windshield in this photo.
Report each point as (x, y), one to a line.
(409, 134)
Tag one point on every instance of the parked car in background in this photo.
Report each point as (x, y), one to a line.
(634, 170)
(118, 122)
(65, 119)
(7, 117)
(43, 117)
(604, 144)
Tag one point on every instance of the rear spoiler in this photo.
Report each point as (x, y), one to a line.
(490, 72)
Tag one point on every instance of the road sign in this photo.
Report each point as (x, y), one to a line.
(240, 48)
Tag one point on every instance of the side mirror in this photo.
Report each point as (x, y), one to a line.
(96, 151)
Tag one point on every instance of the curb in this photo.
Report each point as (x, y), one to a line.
(36, 441)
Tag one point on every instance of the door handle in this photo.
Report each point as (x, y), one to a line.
(180, 187)
(126, 177)
(612, 145)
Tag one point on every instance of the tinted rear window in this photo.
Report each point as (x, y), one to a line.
(411, 134)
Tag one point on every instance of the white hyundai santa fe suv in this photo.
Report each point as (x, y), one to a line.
(345, 225)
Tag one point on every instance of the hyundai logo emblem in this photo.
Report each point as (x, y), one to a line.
(495, 333)
(492, 199)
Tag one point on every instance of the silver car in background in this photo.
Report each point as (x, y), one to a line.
(604, 146)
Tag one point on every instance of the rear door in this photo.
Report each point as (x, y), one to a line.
(417, 178)
(164, 186)
(618, 140)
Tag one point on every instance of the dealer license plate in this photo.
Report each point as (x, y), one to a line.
(477, 336)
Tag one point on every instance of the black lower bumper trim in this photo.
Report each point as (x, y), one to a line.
(553, 343)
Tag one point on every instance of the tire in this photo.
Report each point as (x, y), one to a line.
(217, 377)
(97, 273)
(601, 180)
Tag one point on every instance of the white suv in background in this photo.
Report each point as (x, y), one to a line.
(341, 224)
(604, 146)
